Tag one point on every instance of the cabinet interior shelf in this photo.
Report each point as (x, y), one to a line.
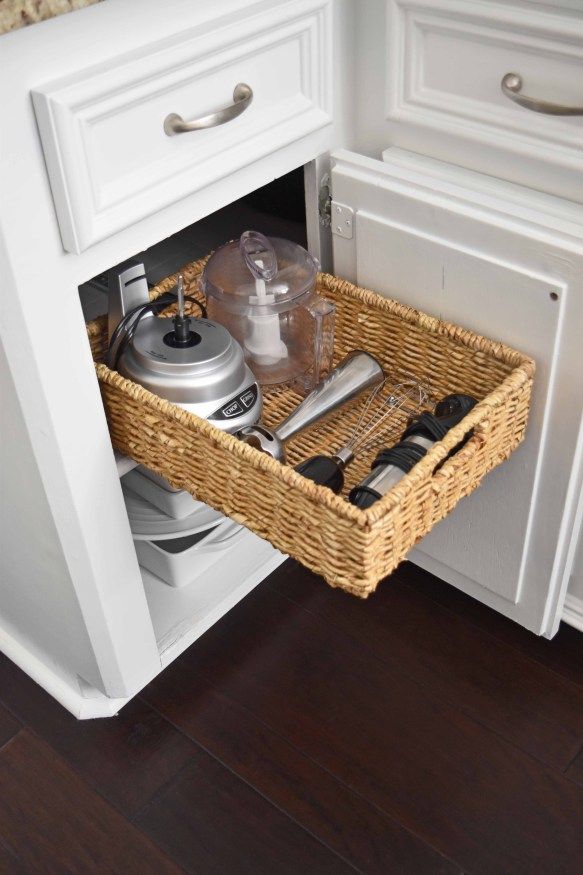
(180, 615)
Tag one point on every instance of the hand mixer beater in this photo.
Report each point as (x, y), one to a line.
(376, 420)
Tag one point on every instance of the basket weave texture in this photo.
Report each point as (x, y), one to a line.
(351, 548)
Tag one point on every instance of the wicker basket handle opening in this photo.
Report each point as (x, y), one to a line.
(462, 459)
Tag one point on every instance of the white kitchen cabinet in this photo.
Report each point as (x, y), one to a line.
(440, 94)
(573, 611)
(423, 233)
(112, 158)
(76, 612)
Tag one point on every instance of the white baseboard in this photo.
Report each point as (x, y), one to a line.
(82, 700)
(573, 612)
(86, 702)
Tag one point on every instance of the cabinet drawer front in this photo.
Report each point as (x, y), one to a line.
(446, 66)
(109, 159)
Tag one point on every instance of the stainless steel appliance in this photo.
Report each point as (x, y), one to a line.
(195, 363)
(357, 372)
(376, 421)
(423, 431)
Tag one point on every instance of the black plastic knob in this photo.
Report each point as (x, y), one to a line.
(324, 471)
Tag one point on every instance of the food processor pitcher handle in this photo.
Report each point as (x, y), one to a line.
(323, 313)
(259, 255)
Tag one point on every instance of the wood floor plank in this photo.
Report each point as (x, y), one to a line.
(9, 865)
(479, 800)
(127, 758)
(52, 822)
(9, 725)
(496, 684)
(563, 654)
(347, 824)
(212, 822)
(575, 770)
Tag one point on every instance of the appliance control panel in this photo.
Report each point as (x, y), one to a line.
(238, 405)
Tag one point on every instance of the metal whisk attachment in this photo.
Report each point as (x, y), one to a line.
(376, 417)
(374, 423)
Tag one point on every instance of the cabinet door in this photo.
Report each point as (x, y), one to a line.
(494, 258)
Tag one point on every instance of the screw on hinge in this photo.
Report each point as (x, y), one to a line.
(342, 220)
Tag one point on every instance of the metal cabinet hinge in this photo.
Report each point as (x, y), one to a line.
(342, 220)
(324, 201)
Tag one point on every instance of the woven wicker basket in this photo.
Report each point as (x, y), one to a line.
(350, 548)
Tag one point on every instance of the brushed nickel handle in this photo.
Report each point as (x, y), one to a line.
(242, 97)
(512, 85)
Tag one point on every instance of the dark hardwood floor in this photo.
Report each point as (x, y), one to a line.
(309, 732)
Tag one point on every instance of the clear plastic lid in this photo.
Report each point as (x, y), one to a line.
(257, 271)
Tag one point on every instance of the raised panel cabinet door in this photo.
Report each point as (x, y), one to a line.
(438, 246)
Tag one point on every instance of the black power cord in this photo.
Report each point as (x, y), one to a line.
(404, 455)
(128, 325)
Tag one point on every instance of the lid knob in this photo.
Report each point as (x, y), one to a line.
(259, 255)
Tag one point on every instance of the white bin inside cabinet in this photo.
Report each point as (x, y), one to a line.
(183, 561)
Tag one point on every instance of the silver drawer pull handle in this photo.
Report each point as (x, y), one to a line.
(511, 86)
(242, 97)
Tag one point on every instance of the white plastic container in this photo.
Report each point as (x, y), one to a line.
(176, 503)
(178, 551)
(184, 560)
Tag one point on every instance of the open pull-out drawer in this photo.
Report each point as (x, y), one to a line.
(352, 548)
